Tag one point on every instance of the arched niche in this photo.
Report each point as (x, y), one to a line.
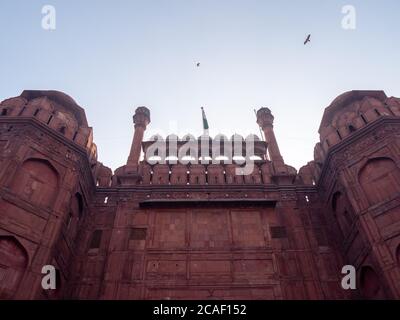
(370, 285)
(380, 180)
(342, 212)
(75, 213)
(36, 181)
(13, 262)
(77, 205)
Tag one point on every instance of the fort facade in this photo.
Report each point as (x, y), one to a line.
(203, 228)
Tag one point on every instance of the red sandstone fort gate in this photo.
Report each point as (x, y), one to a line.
(169, 230)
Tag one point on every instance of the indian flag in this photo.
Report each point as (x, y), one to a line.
(205, 122)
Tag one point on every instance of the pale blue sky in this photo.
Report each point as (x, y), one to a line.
(112, 56)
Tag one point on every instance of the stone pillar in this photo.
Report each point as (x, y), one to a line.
(265, 120)
(141, 119)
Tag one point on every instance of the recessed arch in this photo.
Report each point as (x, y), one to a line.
(398, 254)
(379, 179)
(369, 282)
(36, 181)
(335, 200)
(75, 213)
(77, 205)
(14, 260)
(342, 212)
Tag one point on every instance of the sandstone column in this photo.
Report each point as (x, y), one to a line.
(265, 120)
(141, 119)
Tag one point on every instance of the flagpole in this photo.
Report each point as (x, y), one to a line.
(205, 122)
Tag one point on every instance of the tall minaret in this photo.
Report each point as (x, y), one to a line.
(141, 119)
(265, 120)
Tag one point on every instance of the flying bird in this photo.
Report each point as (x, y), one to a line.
(308, 39)
(198, 64)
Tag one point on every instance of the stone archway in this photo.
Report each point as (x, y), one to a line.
(13, 262)
(379, 178)
(36, 181)
(341, 209)
(369, 283)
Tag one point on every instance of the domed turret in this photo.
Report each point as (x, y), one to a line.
(350, 112)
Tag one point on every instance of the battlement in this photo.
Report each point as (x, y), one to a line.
(204, 175)
(204, 149)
